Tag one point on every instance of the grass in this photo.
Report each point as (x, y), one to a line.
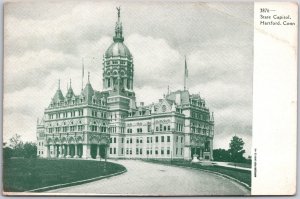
(27, 174)
(245, 165)
(241, 175)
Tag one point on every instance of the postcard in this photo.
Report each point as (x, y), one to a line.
(149, 98)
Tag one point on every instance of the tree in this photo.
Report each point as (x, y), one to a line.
(29, 150)
(16, 144)
(221, 155)
(236, 149)
(19, 149)
(15, 141)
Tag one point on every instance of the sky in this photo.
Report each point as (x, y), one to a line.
(46, 40)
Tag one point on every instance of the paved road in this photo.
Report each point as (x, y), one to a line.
(143, 178)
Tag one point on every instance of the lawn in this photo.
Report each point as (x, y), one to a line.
(27, 174)
(245, 165)
(241, 175)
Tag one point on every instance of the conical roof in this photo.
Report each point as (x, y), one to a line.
(58, 96)
(70, 93)
(88, 92)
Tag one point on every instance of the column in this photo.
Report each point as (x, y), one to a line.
(86, 154)
(48, 151)
(53, 151)
(63, 151)
(68, 151)
(76, 156)
(83, 151)
(88, 151)
(98, 152)
(211, 151)
(60, 151)
(187, 153)
(106, 149)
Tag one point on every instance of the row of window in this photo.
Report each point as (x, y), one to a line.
(74, 128)
(76, 113)
(116, 62)
(149, 139)
(200, 116)
(199, 130)
(139, 151)
(197, 103)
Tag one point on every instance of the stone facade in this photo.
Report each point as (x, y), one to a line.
(110, 124)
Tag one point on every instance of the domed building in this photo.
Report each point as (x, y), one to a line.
(109, 123)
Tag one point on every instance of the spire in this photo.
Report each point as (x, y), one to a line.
(185, 73)
(70, 83)
(58, 84)
(88, 77)
(118, 29)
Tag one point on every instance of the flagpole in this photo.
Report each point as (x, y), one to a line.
(185, 72)
(82, 73)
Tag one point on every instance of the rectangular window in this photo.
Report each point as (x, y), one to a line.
(181, 151)
(162, 139)
(110, 150)
(130, 140)
(127, 151)
(110, 140)
(115, 150)
(160, 127)
(162, 151)
(149, 128)
(137, 151)
(168, 151)
(137, 140)
(168, 139)
(156, 151)
(141, 151)
(165, 128)
(156, 139)
(122, 151)
(169, 128)
(181, 139)
(147, 139)
(176, 151)
(115, 140)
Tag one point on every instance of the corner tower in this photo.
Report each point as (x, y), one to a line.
(118, 65)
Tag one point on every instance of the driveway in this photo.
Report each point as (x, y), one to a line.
(143, 178)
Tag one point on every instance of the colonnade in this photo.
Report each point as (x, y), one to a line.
(75, 151)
